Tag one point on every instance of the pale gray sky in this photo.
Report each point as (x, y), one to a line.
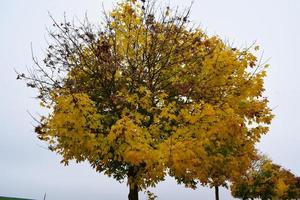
(27, 170)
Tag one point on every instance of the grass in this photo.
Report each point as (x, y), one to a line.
(10, 198)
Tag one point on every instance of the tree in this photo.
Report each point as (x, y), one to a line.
(266, 180)
(146, 94)
(259, 181)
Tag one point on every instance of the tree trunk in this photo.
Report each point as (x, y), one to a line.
(133, 192)
(217, 192)
(133, 188)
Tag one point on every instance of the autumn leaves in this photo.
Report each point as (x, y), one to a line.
(149, 96)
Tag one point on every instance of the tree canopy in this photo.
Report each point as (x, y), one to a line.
(146, 94)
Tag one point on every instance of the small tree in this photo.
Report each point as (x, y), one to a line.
(147, 93)
(266, 180)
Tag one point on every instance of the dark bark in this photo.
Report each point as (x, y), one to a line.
(133, 192)
(217, 192)
(133, 188)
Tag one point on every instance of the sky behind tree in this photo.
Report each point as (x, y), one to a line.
(28, 170)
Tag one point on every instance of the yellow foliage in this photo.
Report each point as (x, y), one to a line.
(154, 96)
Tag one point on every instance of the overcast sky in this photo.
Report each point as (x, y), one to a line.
(28, 170)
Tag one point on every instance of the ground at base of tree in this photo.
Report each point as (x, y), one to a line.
(12, 198)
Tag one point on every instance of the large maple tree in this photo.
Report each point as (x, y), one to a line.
(146, 94)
